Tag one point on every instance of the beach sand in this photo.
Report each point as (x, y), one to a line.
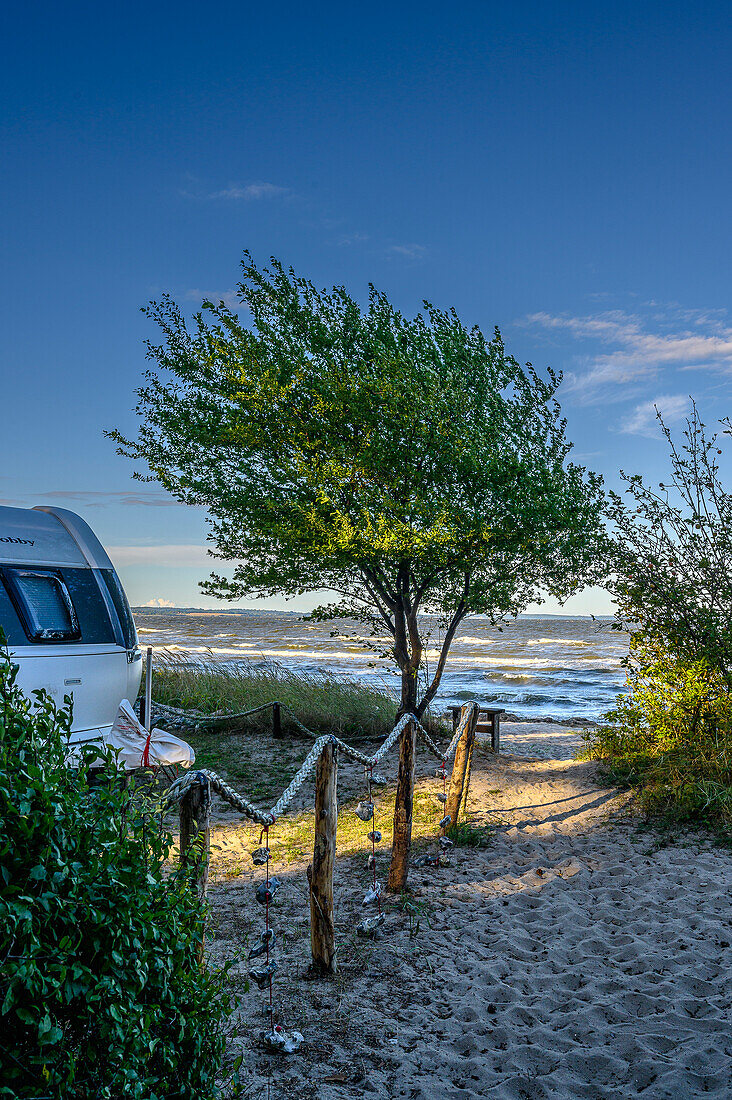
(575, 956)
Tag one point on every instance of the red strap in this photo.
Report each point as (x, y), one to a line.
(146, 752)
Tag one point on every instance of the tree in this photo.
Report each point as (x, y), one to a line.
(406, 466)
(672, 558)
(670, 733)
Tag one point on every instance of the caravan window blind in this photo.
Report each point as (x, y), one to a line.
(43, 604)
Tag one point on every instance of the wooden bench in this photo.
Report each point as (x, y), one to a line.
(489, 722)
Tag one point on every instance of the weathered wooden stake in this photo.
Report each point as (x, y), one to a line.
(402, 835)
(195, 836)
(147, 717)
(276, 720)
(457, 793)
(320, 871)
(496, 733)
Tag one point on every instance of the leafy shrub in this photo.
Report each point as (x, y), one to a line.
(100, 992)
(671, 736)
(671, 575)
(672, 561)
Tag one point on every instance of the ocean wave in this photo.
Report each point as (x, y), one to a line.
(542, 667)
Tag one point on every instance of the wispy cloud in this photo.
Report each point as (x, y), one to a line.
(643, 419)
(348, 239)
(640, 346)
(176, 554)
(93, 498)
(251, 192)
(408, 251)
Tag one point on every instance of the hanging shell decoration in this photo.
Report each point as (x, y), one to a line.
(260, 856)
(375, 836)
(266, 940)
(445, 842)
(264, 894)
(263, 975)
(445, 822)
(431, 859)
(373, 894)
(442, 798)
(368, 929)
(365, 810)
(371, 862)
(279, 1041)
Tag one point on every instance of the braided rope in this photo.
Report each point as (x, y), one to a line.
(307, 768)
(198, 718)
(177, 789)
(195, 718)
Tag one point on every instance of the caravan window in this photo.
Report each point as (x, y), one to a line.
(121, 606)
(43, 603)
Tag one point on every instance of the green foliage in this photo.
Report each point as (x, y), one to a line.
(407, 466)
(468, 834)
(100, 993)
(671, 736)
(672, 560)
(416, 911)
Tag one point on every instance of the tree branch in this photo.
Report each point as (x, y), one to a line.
(457, 618)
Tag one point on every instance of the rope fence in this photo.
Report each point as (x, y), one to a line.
(193, 793)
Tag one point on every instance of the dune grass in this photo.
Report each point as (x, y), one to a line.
(242, 751)
(323, 702)
(680, 780)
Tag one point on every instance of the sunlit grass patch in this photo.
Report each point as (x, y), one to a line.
(291, 837)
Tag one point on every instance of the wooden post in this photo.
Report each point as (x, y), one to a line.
(320, 871)
(402, 835)
(195, 836)
(496, 733)
(460, 779)
(276, 720)
(147, 713)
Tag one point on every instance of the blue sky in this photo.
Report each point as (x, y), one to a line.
(560, 170)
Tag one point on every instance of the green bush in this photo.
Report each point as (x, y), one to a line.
(100, 993)
(671, 736)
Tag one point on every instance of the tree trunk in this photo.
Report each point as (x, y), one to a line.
(402, 835)
(320, 871)
(460, 779)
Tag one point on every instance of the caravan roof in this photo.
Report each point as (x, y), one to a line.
(49, 536)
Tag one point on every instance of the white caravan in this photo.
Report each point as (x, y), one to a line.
(65, 616)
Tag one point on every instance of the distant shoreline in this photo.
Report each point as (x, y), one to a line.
(226, 610)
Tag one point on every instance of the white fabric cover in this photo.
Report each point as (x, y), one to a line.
(128, 737)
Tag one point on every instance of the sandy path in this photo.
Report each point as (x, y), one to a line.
(574, 957)
(545, 740)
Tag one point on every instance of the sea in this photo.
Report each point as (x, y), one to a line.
(536, 667)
